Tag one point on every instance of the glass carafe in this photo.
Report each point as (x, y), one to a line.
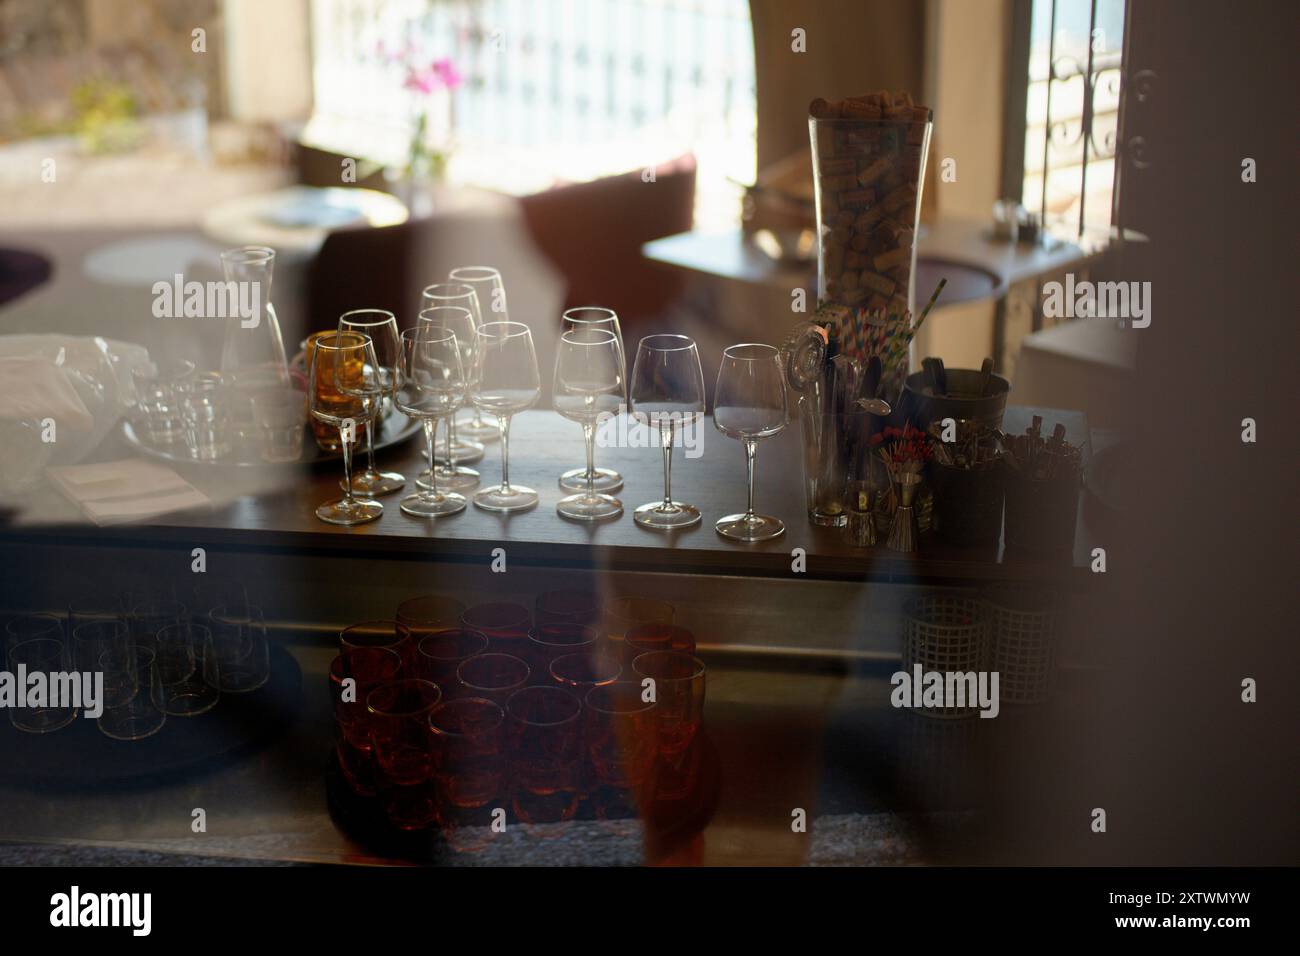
(252, 352)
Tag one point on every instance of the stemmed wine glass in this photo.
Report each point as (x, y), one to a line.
(381, 326)
(466, 451)
(491, 292)
(667, 392)
(749, 405)
(507, 382)
(451, 475)
(430, 385)
(594, 317)
(589, 384)
(344, 387)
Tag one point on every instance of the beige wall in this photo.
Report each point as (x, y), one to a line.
(965, 81)
(268, 59)
(853, 47)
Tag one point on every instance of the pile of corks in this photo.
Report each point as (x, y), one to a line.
(868, 173)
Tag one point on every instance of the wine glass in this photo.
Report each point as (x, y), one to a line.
(452, 475)
(344, 386)
(466, 451)
(381, 326)
(667, 391)
(589, 384)
(749, 405)
(491, 292)
(430, 386)
(506, 382)
(594, 317)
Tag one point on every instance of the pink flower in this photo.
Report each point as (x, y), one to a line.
(420, 82)
(447, 73)
(438, 74)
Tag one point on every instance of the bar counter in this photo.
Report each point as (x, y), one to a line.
(797, 705)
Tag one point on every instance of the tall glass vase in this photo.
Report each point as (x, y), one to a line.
(868, 176)
(252, 352)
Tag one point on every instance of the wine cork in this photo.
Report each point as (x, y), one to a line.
(876, 282)
(892, 258)
(857, 197)
(899, 197)
(823, 109)
(849, 279)
(839, 183)
(894, 233)
(865, 220)
(863, 141)
(873, 172)
(854, 260)
(859, 242)
(860, 108)
(838, 167)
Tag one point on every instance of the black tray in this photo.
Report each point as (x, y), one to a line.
(79, 755)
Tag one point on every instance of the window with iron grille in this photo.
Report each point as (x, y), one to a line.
(1063, 132)
(1070, 58)
(548, 89)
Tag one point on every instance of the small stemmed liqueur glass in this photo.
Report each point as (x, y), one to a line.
(749, 405)
(667, 392)
(594, 317)
(507, 382)
(381, 326)
(589, 385)
(462, 296)
(491, 296)
(430, 387)
(344, 387)
(459, 320)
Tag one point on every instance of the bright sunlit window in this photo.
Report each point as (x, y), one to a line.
(520, 94)
(1069, 152)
